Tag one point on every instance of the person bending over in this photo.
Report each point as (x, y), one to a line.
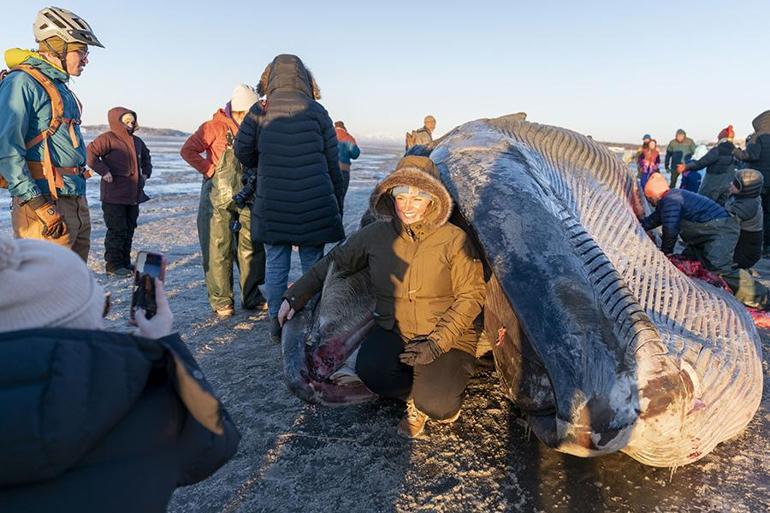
(710, 232)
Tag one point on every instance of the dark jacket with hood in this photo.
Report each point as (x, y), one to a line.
(123, 155)
(757, 152)
(426, 276)
(293, 147)
(720, 170)
(746, 204)
(93, 421)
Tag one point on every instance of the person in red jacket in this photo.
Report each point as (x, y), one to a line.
(123, 161)
(222, 225)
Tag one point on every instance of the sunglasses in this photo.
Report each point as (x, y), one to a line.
(107, 304)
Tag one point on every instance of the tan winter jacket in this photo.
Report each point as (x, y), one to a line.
(426, 276)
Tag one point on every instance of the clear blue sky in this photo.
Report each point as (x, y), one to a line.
(611, 69)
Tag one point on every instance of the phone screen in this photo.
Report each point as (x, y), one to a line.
(147, 268)
(152, 264)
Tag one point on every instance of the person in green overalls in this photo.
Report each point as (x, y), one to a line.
(224, 229)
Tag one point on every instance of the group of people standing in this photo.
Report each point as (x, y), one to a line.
(299, 162)
(723, 217)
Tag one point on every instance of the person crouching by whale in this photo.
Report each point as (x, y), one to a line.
(710, 232)
(429, 287)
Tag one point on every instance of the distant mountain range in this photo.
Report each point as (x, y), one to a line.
(143, 130)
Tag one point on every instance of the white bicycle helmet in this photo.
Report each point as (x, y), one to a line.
(71, 28)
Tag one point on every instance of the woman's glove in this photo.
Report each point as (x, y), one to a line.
(420, 351)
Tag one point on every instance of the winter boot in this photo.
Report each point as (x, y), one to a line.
(225, 312)
(413, 422)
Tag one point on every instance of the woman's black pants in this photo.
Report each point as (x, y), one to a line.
(121, 223)
(437, 388)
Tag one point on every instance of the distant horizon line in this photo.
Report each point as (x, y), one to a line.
(379, 139)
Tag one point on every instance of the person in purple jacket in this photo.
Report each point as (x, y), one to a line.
(709, 231)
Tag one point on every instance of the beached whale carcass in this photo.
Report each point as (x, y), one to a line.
(598, 338)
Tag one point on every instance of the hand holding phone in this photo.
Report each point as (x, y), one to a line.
(161, 323)
(148, 268)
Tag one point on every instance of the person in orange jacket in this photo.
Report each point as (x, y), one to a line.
(224, 229)
(347, 150)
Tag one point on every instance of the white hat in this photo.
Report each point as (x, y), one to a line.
(243, 98)
(45, 285)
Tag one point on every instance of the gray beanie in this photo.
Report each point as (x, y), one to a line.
(45, 285)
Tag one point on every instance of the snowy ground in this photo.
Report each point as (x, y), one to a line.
(296, 457)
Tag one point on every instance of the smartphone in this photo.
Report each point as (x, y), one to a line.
(147, 268)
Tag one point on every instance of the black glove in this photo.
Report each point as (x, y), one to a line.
(420, 351)
(53, 223)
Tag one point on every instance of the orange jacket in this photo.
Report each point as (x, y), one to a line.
(210, 139)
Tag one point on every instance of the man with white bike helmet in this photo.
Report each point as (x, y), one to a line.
(42, 154)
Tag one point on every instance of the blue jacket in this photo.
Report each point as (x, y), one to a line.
(25, 111)
(347, 148)
(678, 205)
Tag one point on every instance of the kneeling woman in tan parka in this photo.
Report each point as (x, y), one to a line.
(429, 286)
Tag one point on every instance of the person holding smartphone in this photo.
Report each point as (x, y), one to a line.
(94, 420)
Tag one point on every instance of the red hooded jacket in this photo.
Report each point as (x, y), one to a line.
(125, 157)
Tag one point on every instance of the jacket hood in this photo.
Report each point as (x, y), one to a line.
(749, 183)
(224, 116)
(418, 172)
(288, 73)
(122, 133)
(761, 123)
(113, 118)
(16, 56)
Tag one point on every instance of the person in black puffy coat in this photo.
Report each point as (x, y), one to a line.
(291, 145)
(91, 420)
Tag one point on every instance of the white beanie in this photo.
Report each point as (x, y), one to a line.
(243, 98)
(45, 285)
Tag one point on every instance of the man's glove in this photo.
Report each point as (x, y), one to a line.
(420, 351)
(53, 223)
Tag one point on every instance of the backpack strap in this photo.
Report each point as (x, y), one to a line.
(51, 174)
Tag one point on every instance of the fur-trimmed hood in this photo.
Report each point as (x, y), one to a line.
(418, 172)
(288, 72)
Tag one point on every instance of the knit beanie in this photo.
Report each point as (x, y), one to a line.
(45, 285)
(656, 187)
(57, 44)
(726, 133)
(243, 98)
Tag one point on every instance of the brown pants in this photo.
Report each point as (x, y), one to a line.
(74, 210)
